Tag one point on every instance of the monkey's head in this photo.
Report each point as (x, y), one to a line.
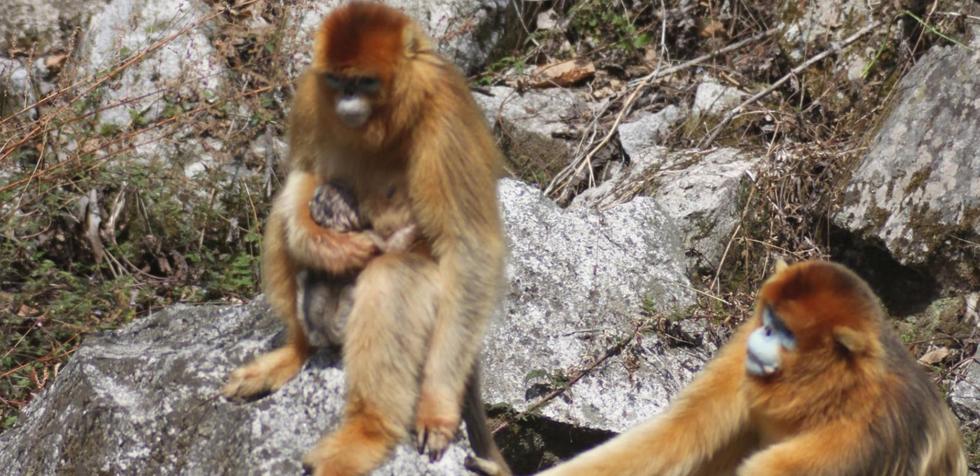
(362, 57)
(812, 317)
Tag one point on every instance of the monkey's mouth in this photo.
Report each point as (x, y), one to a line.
(353, 111)
(757, 367)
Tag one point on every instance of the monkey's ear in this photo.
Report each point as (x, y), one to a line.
(415, 41)
(852, 340)
(780, 266)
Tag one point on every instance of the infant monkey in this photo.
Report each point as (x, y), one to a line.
(325, 299)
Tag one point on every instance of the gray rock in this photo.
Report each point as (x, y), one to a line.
(649, 130)
(535, 127)
(702, 193)
(699, 192)
(713, 98)
(918, 189)
(579, 280)
(15, 87)
(42, 25)
(823, 22)
(965, 394)
(144, 400)
(466, 31)
(186, 67)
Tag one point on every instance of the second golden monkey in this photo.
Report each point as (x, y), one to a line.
(815, 384)
(380, 111)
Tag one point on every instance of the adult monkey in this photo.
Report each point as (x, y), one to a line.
(814, 384)
(380, 111)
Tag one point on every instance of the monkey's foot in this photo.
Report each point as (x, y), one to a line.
(436, 421)
(266, 373)
(483, 467)
(349, 451)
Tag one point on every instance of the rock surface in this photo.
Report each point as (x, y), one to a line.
(918, 189)
(185, 67)
(578, 282)
(649, 130)
(534, 127)
(42, 25)
(965, 395)
(713, 98)
(144, 399)
(699, 192)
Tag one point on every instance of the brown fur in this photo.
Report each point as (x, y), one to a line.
(849, 401)
(414, 330)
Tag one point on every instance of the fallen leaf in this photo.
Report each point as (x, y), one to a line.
(934, 356)
(712, 28)
(55, 62)
(563, 74)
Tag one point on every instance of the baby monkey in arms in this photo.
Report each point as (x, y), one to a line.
(815, 384)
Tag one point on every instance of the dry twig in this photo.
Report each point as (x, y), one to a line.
(834, 49)
(566, 176)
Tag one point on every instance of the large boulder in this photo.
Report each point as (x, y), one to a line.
(699, 191)
(176, 61)
(144, 399)
(917, 192)
(579, 281)
(536, 127)
(42, 26)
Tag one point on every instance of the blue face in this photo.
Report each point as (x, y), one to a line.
(766, 343)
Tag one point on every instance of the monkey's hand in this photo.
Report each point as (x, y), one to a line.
(400, 240)
(333, 252)
(312, 245)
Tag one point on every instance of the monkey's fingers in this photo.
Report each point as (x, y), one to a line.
(481, 466)
(400, 240)
(343, 252)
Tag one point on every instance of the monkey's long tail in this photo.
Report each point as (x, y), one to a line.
(488, 460)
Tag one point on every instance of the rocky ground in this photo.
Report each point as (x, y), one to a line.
(660, 157)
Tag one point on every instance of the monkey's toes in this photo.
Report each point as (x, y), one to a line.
(245, 383)
(434, 441)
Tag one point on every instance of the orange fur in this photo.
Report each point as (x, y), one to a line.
(848, 400)
(412, 337)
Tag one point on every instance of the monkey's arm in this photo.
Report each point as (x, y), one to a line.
(704, 420)
(452, 186)
(826, 451)
(311, 245)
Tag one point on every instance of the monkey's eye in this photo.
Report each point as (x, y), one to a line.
(774, 325)
(334, 81)
(368, 84)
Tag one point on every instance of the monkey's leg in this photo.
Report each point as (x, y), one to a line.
(488, 460)
(271, 370)
(385, 342)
